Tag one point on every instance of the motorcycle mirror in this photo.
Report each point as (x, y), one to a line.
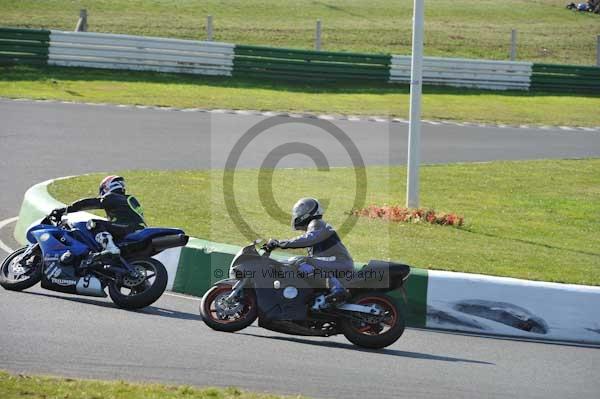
(258, 241)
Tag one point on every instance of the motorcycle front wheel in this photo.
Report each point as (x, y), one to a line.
(229, 316)
(18, 273)
(135, 292)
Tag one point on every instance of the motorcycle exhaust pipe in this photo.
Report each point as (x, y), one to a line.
(172, 241)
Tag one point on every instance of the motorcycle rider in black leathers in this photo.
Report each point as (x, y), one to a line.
(325, 249)
(124, 212)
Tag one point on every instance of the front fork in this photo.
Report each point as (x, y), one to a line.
(22, 264)
(26, 256)
(237, 288)
(30, 250)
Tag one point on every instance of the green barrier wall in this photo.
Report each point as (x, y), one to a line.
(202, 263)
(565, 78)
(307, 65)
(31, 46)
(24, 46)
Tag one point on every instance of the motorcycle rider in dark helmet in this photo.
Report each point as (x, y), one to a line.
(325, 249)
(124, 212)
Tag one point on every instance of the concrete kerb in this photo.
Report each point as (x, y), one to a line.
(440, 300)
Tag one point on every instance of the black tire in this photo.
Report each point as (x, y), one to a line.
(18, 285)
(149, 295)
(370, 337)
(249, 309)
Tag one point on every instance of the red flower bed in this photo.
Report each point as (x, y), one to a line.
(401, 214)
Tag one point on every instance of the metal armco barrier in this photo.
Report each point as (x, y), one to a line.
(114, 51)
(565, 78)
(103, 50)
(24, 46)
(482, 74)
(308, 65)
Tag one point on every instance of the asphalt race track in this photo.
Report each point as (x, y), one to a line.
(48, 333)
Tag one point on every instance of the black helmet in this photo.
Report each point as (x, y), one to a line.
(111, 184)
(305, 210)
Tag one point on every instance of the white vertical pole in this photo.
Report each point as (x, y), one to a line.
(414, 130)
(598, 52)
(318, 36)
(209, 28)
(513, 45)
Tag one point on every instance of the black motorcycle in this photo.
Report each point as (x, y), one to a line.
(285, 301)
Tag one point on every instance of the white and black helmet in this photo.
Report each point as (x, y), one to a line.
(111, 184)
(305, 210)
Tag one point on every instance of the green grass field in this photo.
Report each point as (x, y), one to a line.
(439, 103)
(37, 387)
(453, 28)
(528, 219)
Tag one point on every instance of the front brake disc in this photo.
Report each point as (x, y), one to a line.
(16, 267)
(225, 309)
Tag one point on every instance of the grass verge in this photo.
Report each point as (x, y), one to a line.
(456, 28)
(527, 219)
(37, 387)
(439, 103)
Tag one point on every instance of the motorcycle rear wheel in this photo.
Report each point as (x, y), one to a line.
(141, 295)
(236, 318)
(32, 276)
(372, 334)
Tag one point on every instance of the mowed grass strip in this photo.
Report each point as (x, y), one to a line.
(536, 220)
(39, 387)
(439, 103)
(453, 28)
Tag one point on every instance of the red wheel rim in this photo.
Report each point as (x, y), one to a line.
(210, 307)
(381, 327)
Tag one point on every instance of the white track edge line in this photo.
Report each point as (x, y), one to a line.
(3, 224)
(378, 119)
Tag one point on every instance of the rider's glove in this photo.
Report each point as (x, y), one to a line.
(272, 244)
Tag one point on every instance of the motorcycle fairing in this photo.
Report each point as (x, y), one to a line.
(30, 237)
(273, 305)
(59, 277)
(54, 242)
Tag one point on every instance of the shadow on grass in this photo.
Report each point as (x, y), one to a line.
(50, 73)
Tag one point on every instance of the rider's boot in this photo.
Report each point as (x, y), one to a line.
(337, 292)
(109, 248)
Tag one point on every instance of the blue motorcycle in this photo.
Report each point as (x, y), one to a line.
(63, 256)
